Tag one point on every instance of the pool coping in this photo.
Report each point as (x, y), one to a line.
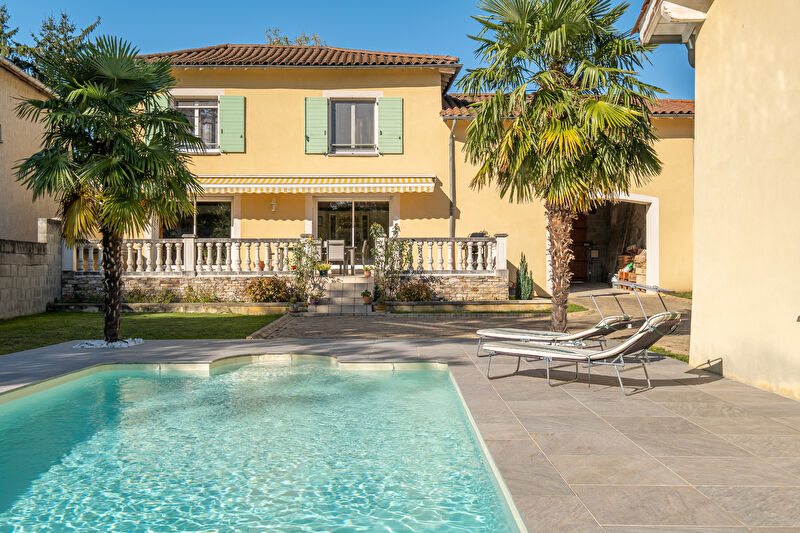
(210, 368)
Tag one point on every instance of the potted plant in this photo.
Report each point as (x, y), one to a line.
(367, 297)
(314, 298)
(368, 271)
(323, 269)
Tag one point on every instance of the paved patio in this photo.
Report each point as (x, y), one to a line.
(697, 453)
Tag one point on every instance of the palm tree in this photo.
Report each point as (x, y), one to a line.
(567, 122)
(111, 151)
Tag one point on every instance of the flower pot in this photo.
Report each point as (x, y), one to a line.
(368, 273)
(381, 308)
(323, 273)
(367, 299)
(261, 265)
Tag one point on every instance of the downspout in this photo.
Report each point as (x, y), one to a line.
(452, 180)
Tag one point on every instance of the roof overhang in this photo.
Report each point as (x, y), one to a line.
(670, 21)
(301, 184)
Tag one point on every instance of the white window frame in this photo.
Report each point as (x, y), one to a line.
(196, 107)
(334, 151)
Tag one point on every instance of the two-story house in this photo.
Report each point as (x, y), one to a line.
(327, 141)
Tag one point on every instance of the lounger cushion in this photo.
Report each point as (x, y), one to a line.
(607, 325)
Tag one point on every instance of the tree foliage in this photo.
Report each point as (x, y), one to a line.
(567, 120)
(112, 152)
(10, 48)
(57, 36)
(275, 36)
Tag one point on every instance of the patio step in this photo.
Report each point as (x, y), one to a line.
(343, 296)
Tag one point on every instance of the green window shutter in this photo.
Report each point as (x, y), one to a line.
(316, 125)
(390, 125)
(231, 123)
(161, 101)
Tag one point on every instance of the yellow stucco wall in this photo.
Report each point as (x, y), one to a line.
(21, 138)
(746, 302)
(274, 103)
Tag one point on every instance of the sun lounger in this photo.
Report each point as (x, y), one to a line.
(634, 347)
(607, 325)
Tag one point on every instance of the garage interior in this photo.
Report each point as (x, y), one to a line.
(600, 237)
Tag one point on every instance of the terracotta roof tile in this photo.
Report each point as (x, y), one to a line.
(457, 105)
(263, 55)
(297, 56)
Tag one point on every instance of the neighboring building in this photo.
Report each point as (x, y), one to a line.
(327, 141)
(746, 306)
(19, 138)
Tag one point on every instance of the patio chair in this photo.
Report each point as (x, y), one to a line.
(606, 326)
(335, 254)
(634, 347)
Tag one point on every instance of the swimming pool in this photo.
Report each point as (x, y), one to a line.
(268, 446)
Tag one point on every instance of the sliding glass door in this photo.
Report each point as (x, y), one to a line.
(350, 221)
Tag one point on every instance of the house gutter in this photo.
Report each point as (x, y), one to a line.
(452, 180)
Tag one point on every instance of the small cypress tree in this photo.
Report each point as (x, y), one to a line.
(524, 280)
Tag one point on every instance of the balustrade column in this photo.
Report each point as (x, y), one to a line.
(199, 258)
(419, 256)
(178, 256)
(99, 257)
(480, 255)
(248, 266)
(129, 251)
(235, 249)
(284, 256)
(168, 256)
(469, 255)
(218, 262)
(90, 258)
(440, 265)
(209, 256)
(449, 255)
(429, 261)
(150, 258)
(159, 257)
(139, 257)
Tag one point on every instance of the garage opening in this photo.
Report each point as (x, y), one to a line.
(606, 238)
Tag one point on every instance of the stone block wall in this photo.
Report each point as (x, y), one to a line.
(88, 287)
(30, 272)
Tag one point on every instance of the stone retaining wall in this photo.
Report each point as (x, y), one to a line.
(468, 287)
(30, 272)
(88, 287)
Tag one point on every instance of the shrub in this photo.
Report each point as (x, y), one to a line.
(138, 295)
(524, 280)
(272, 289)
(415, 290)
(202, 296)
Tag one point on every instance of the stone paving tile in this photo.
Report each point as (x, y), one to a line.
(557, 514)
(586, 444)
(768, 445)
(751, 471)
(653, 424)
(744, 425)
(674, 529)
(565, 424)
(686, 444)
(681, 506)
(759, 506)
(614, 470)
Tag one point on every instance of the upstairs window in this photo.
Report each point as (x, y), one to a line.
(203, 115)
(352, 126)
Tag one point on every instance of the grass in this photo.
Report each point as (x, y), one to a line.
(683, 294)
(662, 351)
(571, 308)
(34, 331)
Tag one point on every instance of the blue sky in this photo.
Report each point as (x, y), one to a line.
(421, 26)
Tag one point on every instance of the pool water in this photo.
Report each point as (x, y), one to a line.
(267, 446)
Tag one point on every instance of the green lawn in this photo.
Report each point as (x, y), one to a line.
(684, 294)
(24, 333)
(662, 351)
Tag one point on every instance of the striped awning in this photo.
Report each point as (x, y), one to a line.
(316, 184)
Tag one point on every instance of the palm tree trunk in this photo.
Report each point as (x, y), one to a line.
(112, 283)
(559, 227)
